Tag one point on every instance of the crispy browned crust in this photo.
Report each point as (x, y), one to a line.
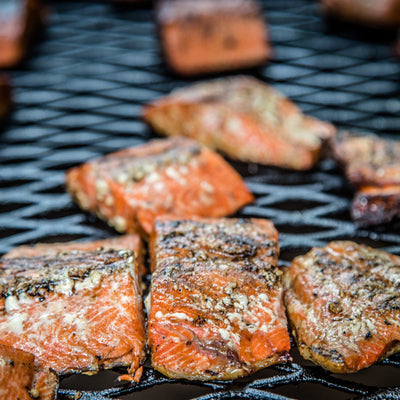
(5, 97)
(125, 242)
(18, 29)
(343, 305)
(203, 36)
(374, 13)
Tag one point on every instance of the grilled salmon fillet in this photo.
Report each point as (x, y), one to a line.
(372, 165)
(343, 304)
(78, 311)
(244, 118)
(20, 21)
(203, 36)
(20, 379)
(124, 242)
(376, 13)
(215, 305)
(131, 187)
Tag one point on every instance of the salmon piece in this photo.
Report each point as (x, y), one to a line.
(368, 159)
(244, 118)
(20, 22)
(21, 379)
(75, 312)
(5, 96)
(215, 305)
(376, 13)
(374, 205)
(125, 242)
(343, 304)
(203, 36)
(372, 165)
(131, 187)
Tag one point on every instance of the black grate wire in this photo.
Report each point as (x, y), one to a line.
(79, 96)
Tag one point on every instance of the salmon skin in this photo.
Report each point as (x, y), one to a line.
(203, 36)
(343, 304)
(215, 304)
(372, 165)
(75, 312)
(20, 379)
(131, 187)
(124, 242)
(244, 118)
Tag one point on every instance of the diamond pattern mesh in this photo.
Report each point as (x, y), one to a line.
(79, 96)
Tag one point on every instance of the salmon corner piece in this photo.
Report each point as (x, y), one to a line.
(372, 165)
(244, 118)
(343, 304)
(21, 379)
(76, 311)
(203, 36)
(215, 304)
(176, 176)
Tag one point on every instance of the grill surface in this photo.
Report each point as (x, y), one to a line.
(79, 96)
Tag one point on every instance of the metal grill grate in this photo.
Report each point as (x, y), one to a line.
(79, 96)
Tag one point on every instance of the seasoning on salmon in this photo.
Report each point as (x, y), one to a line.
(20, 22)
(20, 379)
(75, 312)
(382, 13)
(124, 242)
(202, 36)
(244, 118)
(131, 187)
(343, 303)
(372, 165)
(215, 305)
(5, 96)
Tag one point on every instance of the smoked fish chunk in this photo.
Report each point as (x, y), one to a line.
(215, 304)
(246, 119)
(176, 176)
(75, 312)
(343, 305)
